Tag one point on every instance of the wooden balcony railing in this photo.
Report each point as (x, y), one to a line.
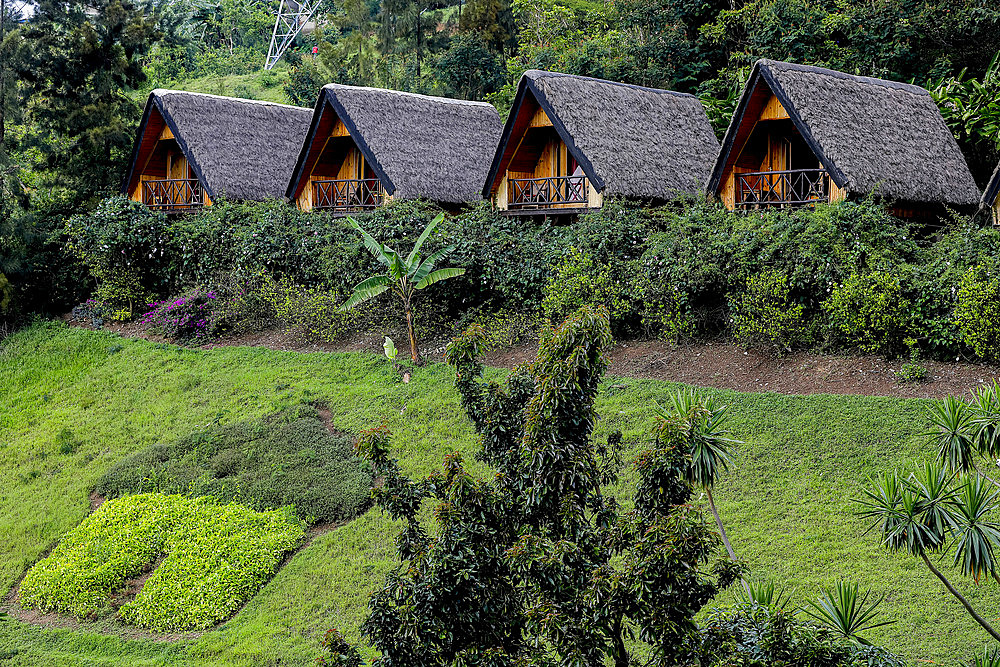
(173, 195)
(794, 187)
(348, 194)
(546, 192)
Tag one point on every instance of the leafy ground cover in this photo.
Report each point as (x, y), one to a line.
(217, 557)
(289, 458)
(78, 402)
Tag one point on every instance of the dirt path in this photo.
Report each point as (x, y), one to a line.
(720, 365)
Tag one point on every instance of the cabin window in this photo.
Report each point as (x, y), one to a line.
(167, 182)
(342, 180)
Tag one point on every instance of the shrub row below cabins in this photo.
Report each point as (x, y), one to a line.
(845, 276)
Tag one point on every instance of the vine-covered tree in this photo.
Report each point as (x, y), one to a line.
(535, 565)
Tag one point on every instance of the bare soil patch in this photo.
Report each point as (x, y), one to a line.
(720, 365)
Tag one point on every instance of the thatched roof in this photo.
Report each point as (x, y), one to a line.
(630, 141)
(872, 135)
(992, 192)
(418, 146)
(244, 149)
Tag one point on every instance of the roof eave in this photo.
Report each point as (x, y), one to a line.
(137, 144)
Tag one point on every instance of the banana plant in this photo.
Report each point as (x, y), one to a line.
(403, 275)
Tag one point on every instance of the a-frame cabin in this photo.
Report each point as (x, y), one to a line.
(991, 197)
(807, 135)
(367, 145)
(572, 141)
(191, 148)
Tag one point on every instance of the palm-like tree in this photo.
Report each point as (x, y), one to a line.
(403, 275)
(932, 511)
(847, 611)
(960, 430)
(700, 423)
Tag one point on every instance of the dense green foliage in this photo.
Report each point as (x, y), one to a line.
(286, 459)
(764, 315)
(117, 396)
(977, 311)
(536, 563)
(847, 276)
(217, 557)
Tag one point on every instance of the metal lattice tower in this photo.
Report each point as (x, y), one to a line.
(291, 18)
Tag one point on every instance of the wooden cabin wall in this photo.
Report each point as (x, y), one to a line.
(352, 166)
(766, 149)
(552, 162)
(165, 161)
(996, 212)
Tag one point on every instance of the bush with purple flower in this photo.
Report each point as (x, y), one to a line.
(193, 316)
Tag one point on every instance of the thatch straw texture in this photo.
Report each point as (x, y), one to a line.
(420, 146)
(244, 149)
(635, 142)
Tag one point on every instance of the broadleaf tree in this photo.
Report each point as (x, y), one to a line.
(535, 564)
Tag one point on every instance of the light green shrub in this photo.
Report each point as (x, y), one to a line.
(579, 282)
(977, 312)
(868, 312)
(764, 314)
(217, 557)
(95, 559)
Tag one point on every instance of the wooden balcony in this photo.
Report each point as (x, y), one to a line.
(794, 187)
(348, 194)
(173, 195)
(547, 193)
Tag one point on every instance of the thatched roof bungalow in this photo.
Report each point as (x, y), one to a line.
(803, 135)
(191, 148)
(365, 145)
(991, 197)
(571, 141)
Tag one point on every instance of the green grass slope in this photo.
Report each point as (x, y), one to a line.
(786, 502)
(266, 85)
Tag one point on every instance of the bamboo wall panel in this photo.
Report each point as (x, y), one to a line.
(837, 193)
(773, 110)
(540, 119)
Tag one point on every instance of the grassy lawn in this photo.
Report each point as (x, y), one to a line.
(268, 86)
(786, 502)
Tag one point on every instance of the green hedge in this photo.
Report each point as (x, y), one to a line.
(676, 272)
(217, 557)
(287, 459)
